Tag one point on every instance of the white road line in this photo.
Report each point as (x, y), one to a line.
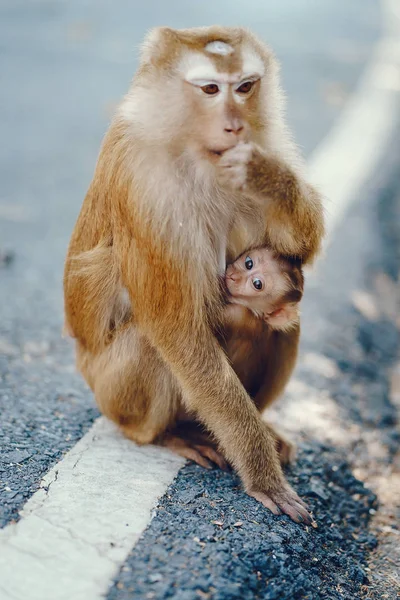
(80, 525)
(77, 530)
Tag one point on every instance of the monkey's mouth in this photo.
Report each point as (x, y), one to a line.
(220, 151)
(228, 284)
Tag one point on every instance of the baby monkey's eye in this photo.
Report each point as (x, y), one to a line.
(245, 87)
(257, 283)
(211, 89)
(248, 263)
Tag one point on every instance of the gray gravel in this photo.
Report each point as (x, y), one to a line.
(209, 538)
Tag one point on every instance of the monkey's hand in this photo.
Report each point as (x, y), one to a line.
(248, 168)
(232, 168)
(270, 487)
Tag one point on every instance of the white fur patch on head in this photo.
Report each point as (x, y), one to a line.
(252, 63)
(196, 66)
(219, 47)
(198, 69)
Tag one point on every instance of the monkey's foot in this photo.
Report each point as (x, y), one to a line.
(200, 453)
(284, 501)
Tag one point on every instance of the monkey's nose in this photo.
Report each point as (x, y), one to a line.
(233, 276)
(236, 129)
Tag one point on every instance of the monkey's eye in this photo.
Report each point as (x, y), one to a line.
(246, 87)
(210, 89)
(257, 283)
(248, 263)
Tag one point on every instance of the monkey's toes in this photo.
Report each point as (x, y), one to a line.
(213, 455)
(201, 454)
(286, 502)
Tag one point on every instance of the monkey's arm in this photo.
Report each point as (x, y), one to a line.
(291, 207)
(293, 211)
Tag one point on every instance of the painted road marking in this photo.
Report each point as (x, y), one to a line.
(78, 529)
(90, 510)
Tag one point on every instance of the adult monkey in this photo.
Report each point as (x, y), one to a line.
(196, 167)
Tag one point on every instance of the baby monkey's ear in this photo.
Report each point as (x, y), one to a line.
(284, 318)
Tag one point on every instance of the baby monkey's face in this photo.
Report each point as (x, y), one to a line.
(266, 284)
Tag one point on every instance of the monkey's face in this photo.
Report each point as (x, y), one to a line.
(220, 105)
(256, 281)
(203, 87)
(266, 286)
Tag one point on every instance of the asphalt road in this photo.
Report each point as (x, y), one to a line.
(63, 67)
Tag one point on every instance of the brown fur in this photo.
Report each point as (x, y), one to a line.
(141, 276)
(272, 178)
(255, 351)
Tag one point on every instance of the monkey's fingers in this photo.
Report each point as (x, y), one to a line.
(213, 455)
(237, 155)
(293, 506)
(296, 512)
(302, 503)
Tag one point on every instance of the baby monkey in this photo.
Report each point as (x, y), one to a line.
(262, 321)
(262, 285)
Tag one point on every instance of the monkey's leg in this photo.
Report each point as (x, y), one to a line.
(291, 208)
(286, 448)
(281, 355)
(132, 386)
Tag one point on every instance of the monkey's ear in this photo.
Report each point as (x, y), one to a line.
(158, 43)
(284, 317)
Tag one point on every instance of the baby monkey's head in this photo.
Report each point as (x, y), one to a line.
(268, 285)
